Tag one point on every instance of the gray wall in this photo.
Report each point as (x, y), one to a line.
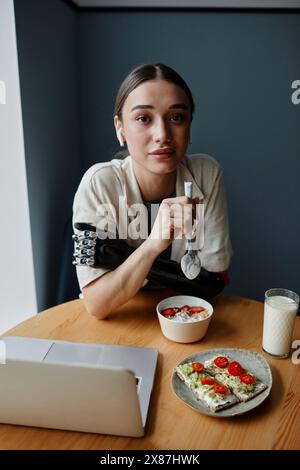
(47, 38)
(240, 66)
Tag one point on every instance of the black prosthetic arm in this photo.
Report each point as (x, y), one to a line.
(91, 250)
(206, 285)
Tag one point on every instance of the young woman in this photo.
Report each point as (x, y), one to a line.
(153, 116)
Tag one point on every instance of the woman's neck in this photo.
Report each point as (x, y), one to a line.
(155, 187)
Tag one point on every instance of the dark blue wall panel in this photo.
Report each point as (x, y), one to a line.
(240, 67)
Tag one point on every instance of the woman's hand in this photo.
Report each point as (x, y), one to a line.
(174, 220)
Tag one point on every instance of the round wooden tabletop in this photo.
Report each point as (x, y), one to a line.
(171, 424)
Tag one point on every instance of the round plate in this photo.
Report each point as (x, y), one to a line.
(249, 360)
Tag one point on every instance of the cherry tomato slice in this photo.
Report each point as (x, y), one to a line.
(169, 312)
(197, 367)
(247, 379)
(185, 307)
(207, 381)
(222, 389)
(196, 309)
(221, 362)
(235, 368)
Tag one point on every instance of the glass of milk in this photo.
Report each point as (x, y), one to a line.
(280, 311)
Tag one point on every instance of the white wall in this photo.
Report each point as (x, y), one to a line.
(17, 285)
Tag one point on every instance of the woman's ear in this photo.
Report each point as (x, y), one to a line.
(119, 130)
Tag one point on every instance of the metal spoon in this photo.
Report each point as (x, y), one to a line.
(190, 262)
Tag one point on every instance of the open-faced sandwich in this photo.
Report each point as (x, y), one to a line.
(232, 374)
(212, 393)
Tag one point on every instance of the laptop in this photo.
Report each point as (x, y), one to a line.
(95, 388)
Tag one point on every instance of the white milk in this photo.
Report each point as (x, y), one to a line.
(279, 318)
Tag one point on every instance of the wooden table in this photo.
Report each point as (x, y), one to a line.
(237, 322)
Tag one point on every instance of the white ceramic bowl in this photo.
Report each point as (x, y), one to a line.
(184, 332)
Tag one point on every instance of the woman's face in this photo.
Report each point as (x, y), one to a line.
(156, 115)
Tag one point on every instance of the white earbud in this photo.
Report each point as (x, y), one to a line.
(120, 138)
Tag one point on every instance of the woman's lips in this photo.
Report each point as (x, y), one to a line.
(162, 156)
(162, 151)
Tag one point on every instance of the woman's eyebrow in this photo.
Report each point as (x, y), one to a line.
(149, 106)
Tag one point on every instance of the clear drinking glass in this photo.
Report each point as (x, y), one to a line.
(280, 311)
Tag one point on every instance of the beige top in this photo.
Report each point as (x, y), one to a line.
(105, 183)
